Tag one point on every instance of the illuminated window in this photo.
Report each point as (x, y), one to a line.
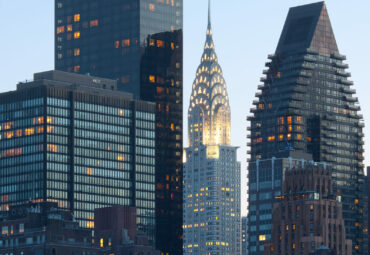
(76, 52)
(89, 171)
(290, 128)
(77, 35)
(160, 44)
(29, 131)
(77, 17)
(69, 28)
(271, 138)
(8, 125)
(356, 201)
(262, 238)
(101, 242)
(151, 42)
(126, 43)
(94, 23)
(19, 132)
(21, 228)
(293, 227)
(289, 136)
(287, 227)
(9, 135)
(50, 129)
(40, 130)
(261, 106)
(281, 137)
(120, 158)
(60, 29)
(76, 69)
(52, 148)
(152, 78)
(116, 44)
(172, 127)
(298, 119)
(278, 74)
(299, 137)
(281, 120)
(309, 139)
(289, 120)
(152, 7)
(172, 46)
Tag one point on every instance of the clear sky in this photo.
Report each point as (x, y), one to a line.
(245, 32)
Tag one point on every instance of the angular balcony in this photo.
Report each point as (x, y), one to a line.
(351, 99)
(271, 56)
(342, 73)
(338, 56)
(345, 82)
(340, 65)
(348, 90)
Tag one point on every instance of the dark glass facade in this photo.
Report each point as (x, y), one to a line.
(307, 104)
(78, 141)
(139, 43)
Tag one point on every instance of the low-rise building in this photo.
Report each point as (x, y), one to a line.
(43, 229)
(116, 232)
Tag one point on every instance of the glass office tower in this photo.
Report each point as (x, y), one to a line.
(138, 43)
(76, 140)
(307, 104)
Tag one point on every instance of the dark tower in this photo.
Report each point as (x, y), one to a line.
(140, 44)
(306, 105)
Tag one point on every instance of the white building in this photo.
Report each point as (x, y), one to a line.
(212, 222)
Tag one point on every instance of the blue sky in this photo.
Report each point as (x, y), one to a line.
(245, 32)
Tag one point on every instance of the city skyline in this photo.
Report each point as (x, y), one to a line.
(242, 61)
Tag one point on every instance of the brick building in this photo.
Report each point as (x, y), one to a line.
(307, 216)
(43, 229)
(116, 232)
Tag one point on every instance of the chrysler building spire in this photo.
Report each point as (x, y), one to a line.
(209, 110)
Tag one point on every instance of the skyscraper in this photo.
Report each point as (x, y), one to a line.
(78, 141)
(139, 43)
(211, 171)
(306, 105)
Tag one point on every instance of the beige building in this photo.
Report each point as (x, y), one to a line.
(307, 216)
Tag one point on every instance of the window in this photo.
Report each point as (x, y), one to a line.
(126, 43)
(151, 7)
(76, 52)
(4, 230)
(101, 242)
(76, 69)
(77, 35)
(160, 44)
(21, 228)
(77, 17)
(69, 28)
(94, 23)
(116, 44)
(60, 30)
(152, 78)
